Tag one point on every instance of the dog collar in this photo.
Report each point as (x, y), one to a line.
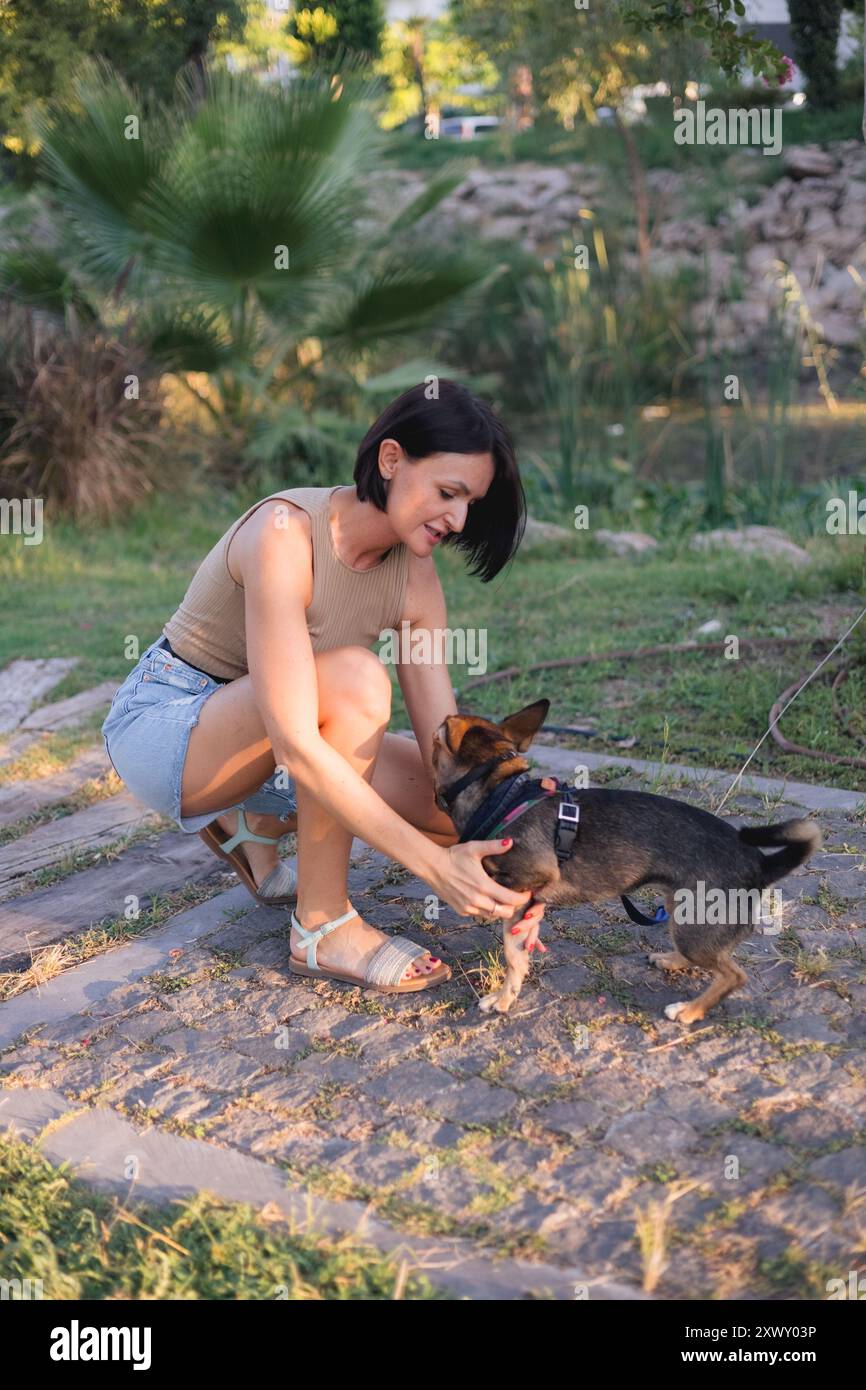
(508, 802)
(449, 794)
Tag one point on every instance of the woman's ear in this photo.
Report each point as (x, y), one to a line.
(522, 727)
(389, 457)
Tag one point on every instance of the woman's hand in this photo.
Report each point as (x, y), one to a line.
(528, 928)
(465, 886)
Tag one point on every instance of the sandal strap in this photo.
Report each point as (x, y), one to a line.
(243, 833)
(388, 965)
(311, 939)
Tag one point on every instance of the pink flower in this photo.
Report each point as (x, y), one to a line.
(788, 74)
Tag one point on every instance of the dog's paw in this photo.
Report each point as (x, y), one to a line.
(668, 960)
(682, 1011)
(500, 1001)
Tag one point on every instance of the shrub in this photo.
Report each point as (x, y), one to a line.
(71, 426)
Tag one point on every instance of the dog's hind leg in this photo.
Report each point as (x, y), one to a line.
(670, 960)
(726, 977)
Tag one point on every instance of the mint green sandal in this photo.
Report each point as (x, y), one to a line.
(385, 969)
(280, 886)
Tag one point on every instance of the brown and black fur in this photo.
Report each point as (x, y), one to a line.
(626, 840)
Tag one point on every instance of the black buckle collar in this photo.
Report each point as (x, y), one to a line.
(449, 794)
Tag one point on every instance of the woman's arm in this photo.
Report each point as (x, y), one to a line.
(275, 567)
(426, 689)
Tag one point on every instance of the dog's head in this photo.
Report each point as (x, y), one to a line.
(463, 741)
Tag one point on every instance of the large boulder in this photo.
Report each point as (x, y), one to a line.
(538, 533)
(808, 161)
(767, 542)
(626, 542)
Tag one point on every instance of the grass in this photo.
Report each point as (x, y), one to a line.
(82, 1245)
(47, 962)
(573, 599)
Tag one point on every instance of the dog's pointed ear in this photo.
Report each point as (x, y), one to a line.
(522, 727)
(455, 727)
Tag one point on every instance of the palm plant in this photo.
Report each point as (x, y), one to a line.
(237, 231)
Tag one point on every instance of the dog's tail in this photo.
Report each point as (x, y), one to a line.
(801, 839)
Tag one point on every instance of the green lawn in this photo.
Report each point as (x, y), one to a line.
(83, 592)
(83, 1245)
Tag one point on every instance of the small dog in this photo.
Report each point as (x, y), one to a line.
(624, 840)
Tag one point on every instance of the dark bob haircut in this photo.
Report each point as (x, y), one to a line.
(455, 423)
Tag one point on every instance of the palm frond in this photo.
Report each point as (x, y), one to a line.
(35, 276)
(100, 162)
(445, 181)
(186, 339)
(398, 298)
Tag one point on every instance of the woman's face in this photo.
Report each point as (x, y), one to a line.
(431, 498)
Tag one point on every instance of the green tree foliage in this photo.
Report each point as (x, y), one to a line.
(428, 66)
(561, 43)
(718, 24)
(147, 41)
(336, 28)
(224, 229)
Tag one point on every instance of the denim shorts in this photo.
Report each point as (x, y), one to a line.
(146, 735)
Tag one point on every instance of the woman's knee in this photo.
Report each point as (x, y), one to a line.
(353, 681)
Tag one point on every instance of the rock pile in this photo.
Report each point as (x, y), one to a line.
(812, 219)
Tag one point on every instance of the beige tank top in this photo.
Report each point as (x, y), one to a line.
(349, 607)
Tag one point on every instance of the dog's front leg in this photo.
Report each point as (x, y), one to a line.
(516, 967)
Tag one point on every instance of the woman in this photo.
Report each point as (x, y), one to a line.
(261, 709)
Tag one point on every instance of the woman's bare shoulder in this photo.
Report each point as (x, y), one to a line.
(277, 523)
(423, 589)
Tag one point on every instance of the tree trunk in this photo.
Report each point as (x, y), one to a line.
(417, 55)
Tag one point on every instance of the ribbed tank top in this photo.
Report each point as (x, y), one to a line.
(349, 607)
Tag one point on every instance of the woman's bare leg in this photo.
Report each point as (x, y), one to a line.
(230, 756)
(401, 779)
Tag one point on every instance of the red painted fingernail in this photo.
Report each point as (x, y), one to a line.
(505, 842)
(526, 914)
(514, 931)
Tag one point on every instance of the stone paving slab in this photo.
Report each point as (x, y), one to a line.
(52, 717)
(20, 799)
(557, 1136)
(65, 714)
(92, 828)
(153, 866)
(24, 681)
(112, 1155)
(88, 984)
